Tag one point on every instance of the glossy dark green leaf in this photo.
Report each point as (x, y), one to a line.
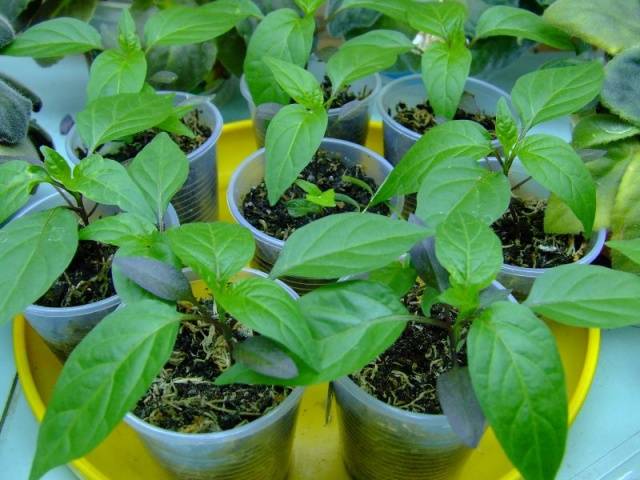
(36, 249)
(159, 278)
(621, 89)
(518, 379)
(600, 129)
(116, 71)
(125, 351)
(117, 229)
(17, 181)
(265, 356)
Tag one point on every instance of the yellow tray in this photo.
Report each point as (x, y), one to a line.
(316, 450)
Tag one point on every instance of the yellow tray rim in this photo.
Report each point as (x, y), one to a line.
(86, 469)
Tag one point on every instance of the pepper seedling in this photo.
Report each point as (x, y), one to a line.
(315, 200)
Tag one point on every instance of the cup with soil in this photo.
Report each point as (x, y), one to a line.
(391, 422)
(197, 200)
(348, 116)
(272, 225)
(84, 294)
(198, 430)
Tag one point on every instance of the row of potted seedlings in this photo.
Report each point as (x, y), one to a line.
(207, 359)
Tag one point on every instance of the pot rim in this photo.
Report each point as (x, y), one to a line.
(327, 142)
(216, 130)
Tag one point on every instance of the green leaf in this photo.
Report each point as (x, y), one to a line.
(441, 19)
(127, 37)
(460, 185)
(17, 181)
(107, 182)
(309, 6)
(518, 22)
(399, 276)
(621, 85)
(553, 163)
(36, 249)
(114, 117)
(56, 166)
(266, 357)
(233, 10)
(629, 248)
(625, 211)
(293, 136)
(159, 170)
(469, 250)
(264, 306)
(345, 244)
(299, 84)
(55, 38)
(518, 378)
(365, 55)
(457, 138)
(506, 127)
(125, 351)
(396, 9)
(114, 72)
(159, 278)
(215, 251)
(553, 92)
(282, 35)
(445, 69)
(117, 229)
(600, 129)
(299, 207)
(587, 296)
(613, 25)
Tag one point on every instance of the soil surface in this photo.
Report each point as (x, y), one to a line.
(86, 280)
(524, 242)
(183, 397)
(422, 118)
(140, 140)
(325, 171)
(344, 96)
(405, 375)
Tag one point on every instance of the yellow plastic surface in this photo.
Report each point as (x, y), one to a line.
(316, 450)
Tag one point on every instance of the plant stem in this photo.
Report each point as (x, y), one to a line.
(519, 184)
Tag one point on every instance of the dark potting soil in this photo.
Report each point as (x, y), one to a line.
(524, 242)
(87, 279)
(183, 397)
(326, 171)
(422, 118)
(140, 140)
(405, 375)
(344, 96)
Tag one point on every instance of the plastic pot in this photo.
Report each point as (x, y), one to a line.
(197, 200)
(251, 172)
(350, 123)
(383, 442)
(62, 328)
(259, 450)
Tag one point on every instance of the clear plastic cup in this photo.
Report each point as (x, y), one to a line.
(62, 328)
(259, 450)
(350, 123)
(197, 200)
(251, 172)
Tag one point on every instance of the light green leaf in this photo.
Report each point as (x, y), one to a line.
(264, 306)
(553, 163)
(600, 129)
(36, 249)
(396, 9)
(17, 181)
(621, 90)
(127, 37)
(445, 69)
(457, 138)
(441, 19)
(625, 212)
(299, 84)
(518, 22)
(506, 127)
(460, 185)
(56, 166)
(399, 276)
(55, 38)
(587, 296)
(612, 25)
(116, 71)
(309, 6)
(125, 351)
(345, 244)
(282, 35)
(293, 136)
(215, 251)
(114, 117)
(159, 170)
(365, 55)
(629, 248)
(107, 182)
(518, 379)
(469, 250)
(118, 229)
(553, 92)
